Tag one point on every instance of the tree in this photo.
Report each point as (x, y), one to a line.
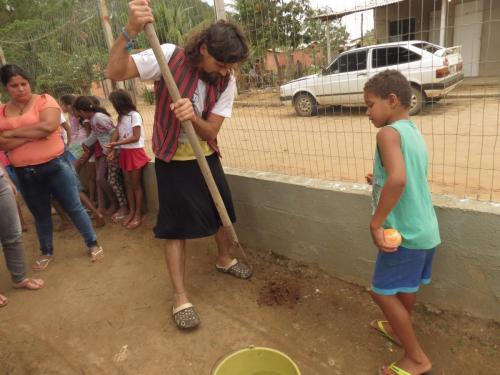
(61, 42)
(318, 30)
(275, 25)
(284, 25)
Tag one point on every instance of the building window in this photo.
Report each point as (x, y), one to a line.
(402, 30)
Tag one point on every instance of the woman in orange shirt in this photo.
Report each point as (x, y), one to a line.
(31, 135)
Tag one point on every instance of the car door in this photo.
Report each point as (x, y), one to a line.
(327, 86)
(344, 79)
(356, 76)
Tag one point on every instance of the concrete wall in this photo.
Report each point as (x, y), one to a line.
(489, 61)
(326, 223)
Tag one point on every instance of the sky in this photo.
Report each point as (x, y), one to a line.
(352, 22)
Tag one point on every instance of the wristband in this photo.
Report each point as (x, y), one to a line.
(130, 40)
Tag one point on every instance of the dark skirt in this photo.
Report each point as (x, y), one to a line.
(186, 206)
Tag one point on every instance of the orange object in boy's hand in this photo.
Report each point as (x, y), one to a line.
(369, 178)
(392, 237)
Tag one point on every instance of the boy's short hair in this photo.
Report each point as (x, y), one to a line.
(390, 82)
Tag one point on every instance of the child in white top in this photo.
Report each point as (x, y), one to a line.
(132, 156)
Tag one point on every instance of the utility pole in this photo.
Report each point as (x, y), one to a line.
(108, 33)
(220, 13)
(442, 26)
(361, 38)
(328, 43)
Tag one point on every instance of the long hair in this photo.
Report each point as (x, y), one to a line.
(225, 42)
(85, 103)
(122, 102)
(67, 99)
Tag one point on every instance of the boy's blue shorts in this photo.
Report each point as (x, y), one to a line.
(402, 271)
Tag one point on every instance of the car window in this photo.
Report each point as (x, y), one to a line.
(356, 61)
(349, 62)
(334, 67)
(392, 56)
(427, 47)
(342, 64)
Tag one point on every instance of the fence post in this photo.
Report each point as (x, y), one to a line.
(328, 43)
(3, 60)
(220, 13)
(108, 33)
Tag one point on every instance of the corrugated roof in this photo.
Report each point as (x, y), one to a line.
(369, 4)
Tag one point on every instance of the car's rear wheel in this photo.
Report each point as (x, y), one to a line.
(305, 105)
(416, 101)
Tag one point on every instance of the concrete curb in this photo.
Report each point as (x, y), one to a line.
(449, 96)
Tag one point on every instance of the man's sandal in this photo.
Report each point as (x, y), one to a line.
(236, 269)
(3, 301)
(42, 262)
(96, 253)
(378, 325)
(185, 317)
(27, 283)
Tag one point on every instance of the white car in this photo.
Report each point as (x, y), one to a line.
(432, 71)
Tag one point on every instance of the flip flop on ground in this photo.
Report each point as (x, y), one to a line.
(42, 262)
(3, 301)
(27, 283)
(379, 326)
(185, 317)
(96, 253)
(236, 269)
(135, 223)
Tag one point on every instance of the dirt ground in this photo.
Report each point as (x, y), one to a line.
(338, 144)
(114, 317)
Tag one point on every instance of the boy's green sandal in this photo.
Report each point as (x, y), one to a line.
(378, 325)
(397, 370)
(393, 369)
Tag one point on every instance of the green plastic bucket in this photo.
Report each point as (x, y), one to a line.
(256, 361)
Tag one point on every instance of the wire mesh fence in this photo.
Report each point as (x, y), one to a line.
(314, 127)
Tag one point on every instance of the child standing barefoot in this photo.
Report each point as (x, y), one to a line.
(132, 155)
(401, 200)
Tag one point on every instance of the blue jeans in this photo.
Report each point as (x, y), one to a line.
(38, 183)
(10, 232)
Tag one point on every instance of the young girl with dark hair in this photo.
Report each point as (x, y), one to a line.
(108, 174)
(132, 156)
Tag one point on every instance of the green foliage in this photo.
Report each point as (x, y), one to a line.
(61, 42)
(149, 96)
(369, 38)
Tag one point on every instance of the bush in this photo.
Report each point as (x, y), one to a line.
(149, 96)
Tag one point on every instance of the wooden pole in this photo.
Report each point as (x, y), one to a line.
(108, 33)
(3, 60)
(220, 13)
(328, 43)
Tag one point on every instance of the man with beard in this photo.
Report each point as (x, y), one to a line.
(203, 73)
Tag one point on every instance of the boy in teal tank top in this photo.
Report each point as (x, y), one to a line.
(401, 200)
